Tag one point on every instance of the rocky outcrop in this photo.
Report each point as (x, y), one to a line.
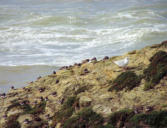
(96, 94)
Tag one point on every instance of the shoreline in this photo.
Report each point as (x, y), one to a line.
(30, 72)
(20, 76)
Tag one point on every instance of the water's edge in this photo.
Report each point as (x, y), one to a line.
(20, 76)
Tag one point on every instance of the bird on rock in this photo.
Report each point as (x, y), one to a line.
(122, 63)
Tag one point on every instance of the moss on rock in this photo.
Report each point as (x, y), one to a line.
(66, 111)
(121, 117)
(37, 109)
(127, 80)
(86, 118)
(155, 119)
(156, 70)
(107, 126)
(13, 105)
(127, 118)
(27, 109)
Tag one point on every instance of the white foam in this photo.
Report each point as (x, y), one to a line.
(64, 36)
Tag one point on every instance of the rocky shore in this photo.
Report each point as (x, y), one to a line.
(94, 94)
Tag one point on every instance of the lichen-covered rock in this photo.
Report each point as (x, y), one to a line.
(78, 95)
(85, 101)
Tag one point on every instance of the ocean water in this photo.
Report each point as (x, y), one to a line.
(51, 33)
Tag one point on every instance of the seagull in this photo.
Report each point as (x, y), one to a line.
(122, 63)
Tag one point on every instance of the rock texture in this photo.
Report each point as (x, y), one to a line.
(36, 105)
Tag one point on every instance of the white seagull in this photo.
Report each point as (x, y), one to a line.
(122, 63)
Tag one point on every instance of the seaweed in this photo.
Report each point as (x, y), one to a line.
(127, 80)
(156, 70)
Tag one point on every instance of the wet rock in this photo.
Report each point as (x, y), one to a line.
(106, 58)
(54, 72)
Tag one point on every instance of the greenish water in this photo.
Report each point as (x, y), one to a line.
(20, 76)
(61, 32)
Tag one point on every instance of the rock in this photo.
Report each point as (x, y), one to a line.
(99, 108)
(94, 59)
(90, 90)
(85, 101)
(86, 70)
(106, 58)
(54, 72)
(85, 61)
(58, 125)
(24, 120)
(41, 90)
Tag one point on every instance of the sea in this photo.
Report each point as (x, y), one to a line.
(39, 36)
